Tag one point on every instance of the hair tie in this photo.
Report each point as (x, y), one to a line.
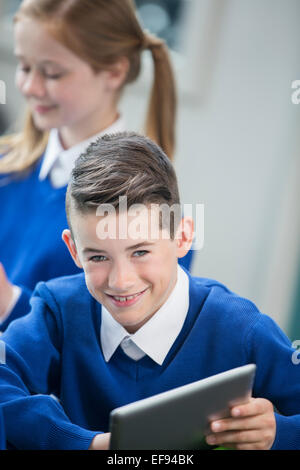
(151, 41)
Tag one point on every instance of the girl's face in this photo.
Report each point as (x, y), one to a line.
(61, 89)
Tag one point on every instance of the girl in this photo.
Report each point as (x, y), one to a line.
(75, 58)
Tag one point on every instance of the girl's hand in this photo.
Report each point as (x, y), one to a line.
(6, 292)
(252, 426)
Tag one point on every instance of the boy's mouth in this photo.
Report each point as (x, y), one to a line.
(126, 300)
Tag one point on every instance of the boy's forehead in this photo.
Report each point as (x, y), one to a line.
(138, 223)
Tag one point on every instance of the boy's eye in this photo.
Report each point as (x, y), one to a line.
(140, 253)
(97, 258)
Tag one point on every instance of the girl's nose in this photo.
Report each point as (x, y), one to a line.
(33, 85)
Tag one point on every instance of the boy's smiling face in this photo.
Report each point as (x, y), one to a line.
(131, 275)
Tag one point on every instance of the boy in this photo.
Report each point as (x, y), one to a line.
(135, 324)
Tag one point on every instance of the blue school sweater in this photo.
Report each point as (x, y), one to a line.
(56, 350)
(32, 218)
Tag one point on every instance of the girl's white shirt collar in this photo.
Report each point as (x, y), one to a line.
(58, 162)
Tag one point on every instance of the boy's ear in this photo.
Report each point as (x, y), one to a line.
(184, 236)
(67, 238)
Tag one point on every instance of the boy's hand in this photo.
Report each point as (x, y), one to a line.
(100, 442)
(252, 426)
(6, 291)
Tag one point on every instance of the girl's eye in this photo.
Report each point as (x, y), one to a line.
(47, 75)
(97, 258)
(23, 68)
(53, 76)
(140, 253)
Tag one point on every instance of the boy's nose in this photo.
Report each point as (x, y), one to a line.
(121, 278)
(33, 85)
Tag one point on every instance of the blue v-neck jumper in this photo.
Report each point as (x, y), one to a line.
(56, 351)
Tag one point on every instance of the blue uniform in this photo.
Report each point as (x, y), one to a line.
(56, 349)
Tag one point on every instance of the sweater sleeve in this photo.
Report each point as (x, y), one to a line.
(277, 379)
(29, 381)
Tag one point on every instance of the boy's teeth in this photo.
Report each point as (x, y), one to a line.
(123, 299)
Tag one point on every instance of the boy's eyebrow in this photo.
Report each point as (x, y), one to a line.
(139, 245)
(132, 247)
(92, 250)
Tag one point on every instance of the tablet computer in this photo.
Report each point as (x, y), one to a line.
(179, 418)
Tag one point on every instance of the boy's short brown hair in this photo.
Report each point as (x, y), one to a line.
(123, 164)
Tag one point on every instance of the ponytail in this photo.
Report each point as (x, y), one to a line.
(161, 116)
(22, 150)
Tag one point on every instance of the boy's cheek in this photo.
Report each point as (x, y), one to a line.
(93, 282)
(93, 290)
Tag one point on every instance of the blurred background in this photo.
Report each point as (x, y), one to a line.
(238, 138)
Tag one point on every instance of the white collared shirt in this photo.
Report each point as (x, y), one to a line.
(58, 162)
(156, 337)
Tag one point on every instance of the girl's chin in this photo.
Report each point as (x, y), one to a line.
(45, 123)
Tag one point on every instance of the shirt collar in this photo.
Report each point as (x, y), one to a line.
(157, 336)
(56, 155)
